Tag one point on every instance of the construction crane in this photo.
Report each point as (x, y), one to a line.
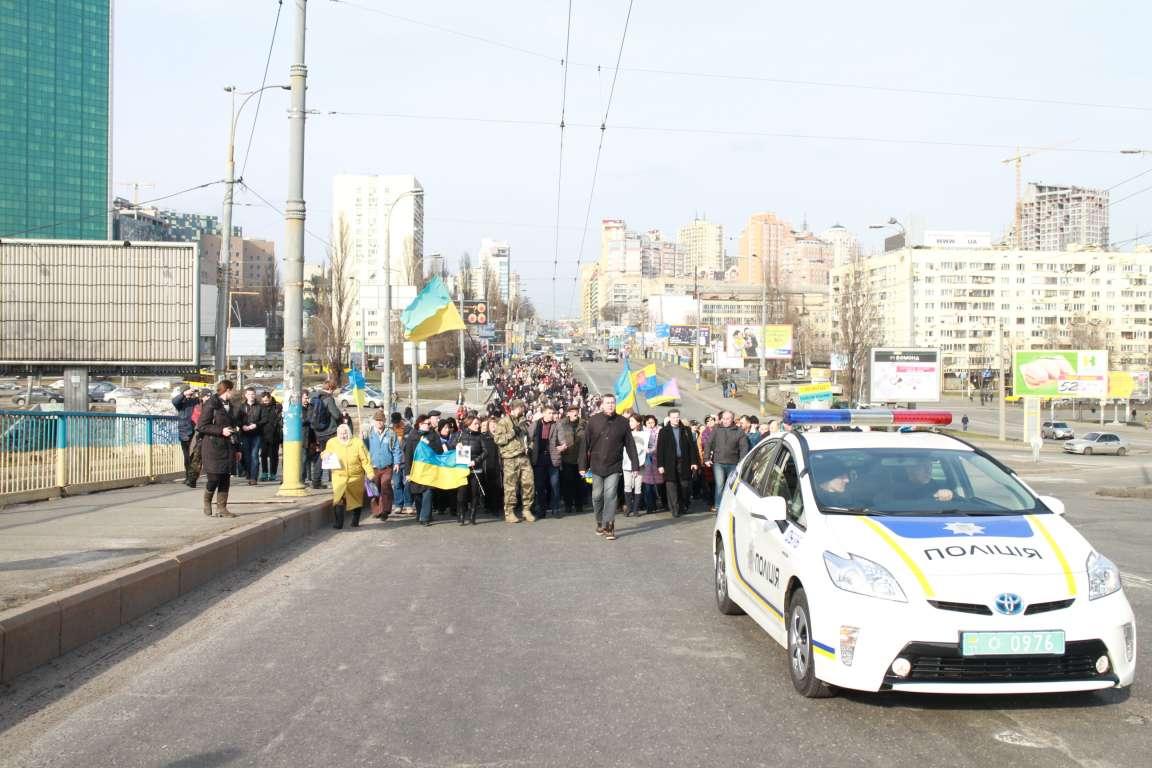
(1018, 159)
(136, 186)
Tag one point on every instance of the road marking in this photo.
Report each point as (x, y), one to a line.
(1136, 582)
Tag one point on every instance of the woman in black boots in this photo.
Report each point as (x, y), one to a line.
(217, 426)
(469, 497)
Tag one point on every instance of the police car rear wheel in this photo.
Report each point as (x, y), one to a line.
(723, 602)
(801, 663)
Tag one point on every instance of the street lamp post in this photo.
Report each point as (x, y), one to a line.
(226, 227)
(386, 375)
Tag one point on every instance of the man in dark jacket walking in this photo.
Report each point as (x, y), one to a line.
(185, 404)
(325, 418)
(676, 460)
(606, 439)
(545, 456)
(570, 442)
(726, 447)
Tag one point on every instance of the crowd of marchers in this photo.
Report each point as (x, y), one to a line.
(541, 446)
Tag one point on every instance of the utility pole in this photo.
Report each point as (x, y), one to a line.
(460, 290)
(223, 295)
(763, 326)
(294, 214)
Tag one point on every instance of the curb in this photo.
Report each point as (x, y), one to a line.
(49, 627)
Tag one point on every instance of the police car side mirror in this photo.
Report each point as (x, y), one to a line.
(774, 508)
(1053, 504)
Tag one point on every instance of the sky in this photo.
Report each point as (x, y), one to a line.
(832, 112)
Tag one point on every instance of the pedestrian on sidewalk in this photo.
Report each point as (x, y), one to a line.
(607, 438)
(347, 481)
(186, 403)
(216, 427)
(325, 418)
(964, 422)
(676, 460)
(248, 418)
(384, 452)
(271, 435)
(511, 435)
(726, 447)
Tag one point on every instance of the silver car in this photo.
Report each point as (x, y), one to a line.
(1097, 442)
(1057, 430)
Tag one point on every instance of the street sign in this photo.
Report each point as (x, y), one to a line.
(487, 331)
(246, 342)
(421, 352)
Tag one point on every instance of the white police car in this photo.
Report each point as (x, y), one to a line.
(914, 562)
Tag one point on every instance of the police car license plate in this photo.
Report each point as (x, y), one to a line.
(1012, 643)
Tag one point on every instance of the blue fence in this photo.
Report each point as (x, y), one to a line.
(44, 453)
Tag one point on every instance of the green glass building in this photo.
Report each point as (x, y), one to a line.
(55, 129)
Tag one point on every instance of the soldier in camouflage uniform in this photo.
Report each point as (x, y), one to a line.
(511, 435)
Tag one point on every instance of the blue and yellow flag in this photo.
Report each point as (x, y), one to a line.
(625, 390)
(431, 312)
(437, 470)
(669, 393)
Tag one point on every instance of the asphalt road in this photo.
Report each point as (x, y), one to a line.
(534, 645)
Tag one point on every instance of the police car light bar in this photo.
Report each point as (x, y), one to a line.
(850, 417)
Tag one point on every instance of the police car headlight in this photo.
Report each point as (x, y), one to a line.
(864, 577)
(1103, 576)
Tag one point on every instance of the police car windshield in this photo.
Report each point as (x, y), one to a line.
(915, 481)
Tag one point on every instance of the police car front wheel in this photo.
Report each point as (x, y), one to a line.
(801, 664)
(723, 601)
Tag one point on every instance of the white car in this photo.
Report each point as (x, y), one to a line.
(1097, 442)
(914, 562)
(123, 393)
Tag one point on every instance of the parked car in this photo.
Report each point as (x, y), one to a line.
(1056, 430)
(373, 398)
(97, 390)
(9, 386)
(1097, 442)
(123, 393)
(38, 395)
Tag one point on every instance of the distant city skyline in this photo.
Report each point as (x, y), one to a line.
(747, 145)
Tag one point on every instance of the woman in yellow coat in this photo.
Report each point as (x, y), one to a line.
(348, 480)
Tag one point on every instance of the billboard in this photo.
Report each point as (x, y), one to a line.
(250, 342)
(814, 395)
(681, 336)
(746, 340)
(476, 313)
(1060, 373)
(905, 375)
(88, 303)
(1128, 385)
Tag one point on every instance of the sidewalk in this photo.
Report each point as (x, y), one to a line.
(48, 546)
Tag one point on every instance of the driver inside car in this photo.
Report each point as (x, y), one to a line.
(919, 484)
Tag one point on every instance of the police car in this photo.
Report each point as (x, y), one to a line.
(914, 561)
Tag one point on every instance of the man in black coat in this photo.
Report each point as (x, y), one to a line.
(676, 460)
(606, 439)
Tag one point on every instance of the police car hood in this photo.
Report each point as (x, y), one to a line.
(966, 546)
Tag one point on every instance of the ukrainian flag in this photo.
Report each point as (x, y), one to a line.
(437, 470)
(431, 312)
(669, 393)
(625, 390)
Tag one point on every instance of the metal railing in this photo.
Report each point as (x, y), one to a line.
(44, 454)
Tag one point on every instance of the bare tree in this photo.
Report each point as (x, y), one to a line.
(466, 286)
(333, 319)
(857, 325)
(613, 312)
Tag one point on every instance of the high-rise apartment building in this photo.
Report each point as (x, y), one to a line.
(703, 244)
(805, 263)
(55, 102)
(761, 246)
(496, 268)
(845, 245)
(1053, 218)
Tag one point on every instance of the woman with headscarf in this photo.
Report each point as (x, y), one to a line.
(348, 479)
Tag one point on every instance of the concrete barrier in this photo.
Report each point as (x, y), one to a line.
(46, 628)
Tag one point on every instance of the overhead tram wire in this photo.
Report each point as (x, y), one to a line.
(727, 132)
(78, 219)
(600, 145)
(560, 162)
(280, 211)
(797, 82)
(263, 83)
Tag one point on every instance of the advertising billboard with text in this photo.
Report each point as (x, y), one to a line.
(1060, 373)
(905, 376)
(748, 340)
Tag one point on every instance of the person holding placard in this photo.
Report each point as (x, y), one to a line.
(348, 461)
